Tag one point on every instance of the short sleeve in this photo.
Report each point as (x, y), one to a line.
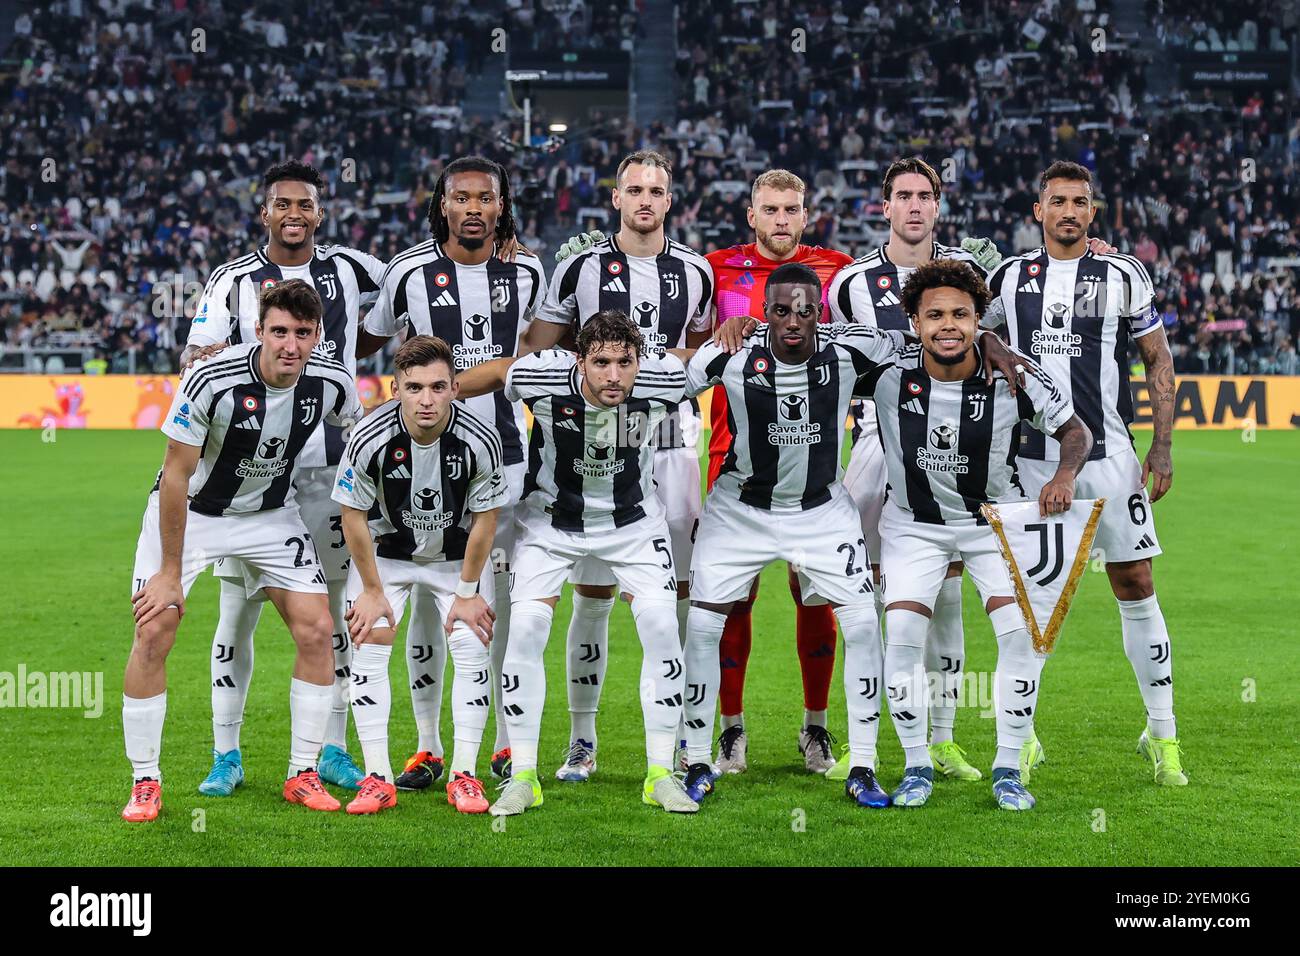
(1140, 311)
(488, 488)
(702, 320)
(1051, 408)
(383, 320)
(212, 321)
(705, 368)
(560, 305)
(347, 410)
(548, 372)
(661, 378)
(187, 419)
(353, 484)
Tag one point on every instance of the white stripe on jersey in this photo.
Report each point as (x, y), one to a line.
(1075, 318)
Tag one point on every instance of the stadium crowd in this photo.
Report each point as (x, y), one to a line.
(116, 203)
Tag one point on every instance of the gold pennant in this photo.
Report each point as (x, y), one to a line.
(1044, 640)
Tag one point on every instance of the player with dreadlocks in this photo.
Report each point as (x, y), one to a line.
(464, 286)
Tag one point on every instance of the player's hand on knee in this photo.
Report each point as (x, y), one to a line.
(578, 244)
(1056, 497)
(366, 610)
(158, 594)
(475, 614)
(206, 352)
(731, 335)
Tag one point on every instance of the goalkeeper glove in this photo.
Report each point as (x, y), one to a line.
(578, 244)
(985, 252)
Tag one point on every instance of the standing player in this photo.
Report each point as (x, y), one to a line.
(237, 428)
(457, 287)
(347, 280)
(666, 288)
(948, 437)
(429, 470)
(590, 496)
(778, 217)
(1075, 311)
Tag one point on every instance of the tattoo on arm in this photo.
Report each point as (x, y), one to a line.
(1076, 443)
(1159, 362)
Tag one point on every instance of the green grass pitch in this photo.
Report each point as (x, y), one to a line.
(1230, 531)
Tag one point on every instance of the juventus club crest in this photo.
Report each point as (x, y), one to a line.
(500, 293)
(976, 407)
(823, 376)
(328, 284)
(672, 284)
(453, 464)
(307, 407)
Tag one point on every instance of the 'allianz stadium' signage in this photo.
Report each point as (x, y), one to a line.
(570, 69)
(1246, 68)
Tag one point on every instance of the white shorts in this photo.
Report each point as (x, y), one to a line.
(823, 544)
(677, 482)
(503, 545)
(275, 544)
(865, 479)
(1127, 530)
(638, 555)
(915, 556)
(400, 578)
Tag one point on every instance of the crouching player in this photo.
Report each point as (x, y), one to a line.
(430, 473)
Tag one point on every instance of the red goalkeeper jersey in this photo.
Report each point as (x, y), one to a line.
(739, 282)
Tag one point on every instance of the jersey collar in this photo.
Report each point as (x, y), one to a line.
(613, 244)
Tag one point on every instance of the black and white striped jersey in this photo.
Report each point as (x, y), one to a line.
(591, 468)
(787, 421)
(869, 290)
(420, 496)
(481, 311)
(666, 295)
(347, 280)
(950, 446)
(255, 437)
(1075, 318)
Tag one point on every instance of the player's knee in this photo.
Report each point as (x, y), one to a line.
(858, 623)
(530, 628)
(955, 569)
(155, 639)
(1131, 580)
(314, 634)
(595, 591)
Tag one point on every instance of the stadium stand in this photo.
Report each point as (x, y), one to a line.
(132, 161)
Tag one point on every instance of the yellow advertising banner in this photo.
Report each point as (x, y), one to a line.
(141, 401)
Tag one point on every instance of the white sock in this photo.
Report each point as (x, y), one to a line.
(426, 663)
(683, 612)
(1015, 685)
(1146, 643)
(471, 697)
(309, 710)
(905, 681)
(703, 676)
(732, 720)
(497, 653)
(864, 664)
(523, 680)
(142, 725)
(336, 728)
(232, 664)
(586, 648)
(663, 678)
(814, 718)
(945, 648)
(372, 700)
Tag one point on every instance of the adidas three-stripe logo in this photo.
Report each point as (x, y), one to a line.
(614, 285)
(1030, 286)
(1146, 542)
(913, 406)
(445, 298)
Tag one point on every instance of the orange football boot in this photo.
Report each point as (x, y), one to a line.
(305, 788)
(376, 794)
(465, 793)
(145, 802)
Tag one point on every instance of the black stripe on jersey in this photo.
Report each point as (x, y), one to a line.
(974, 439)
(824, 409)
(570, 445)
(444, 316)
(536, 283)
(1029, 318)
(1085, 370)
(846, 300)
(569, 281)
(454, 537)
(308, 397)
(364, 282)
(222, 484)
(673, 311)
(372, 428)
(613, 271)
(392, 473)
(267, 270)
(760, 409)
(466, 422)
(627, 483)
(404, 256)
(706, 286)
(913, 437)
(336, 325)
(505, 312)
